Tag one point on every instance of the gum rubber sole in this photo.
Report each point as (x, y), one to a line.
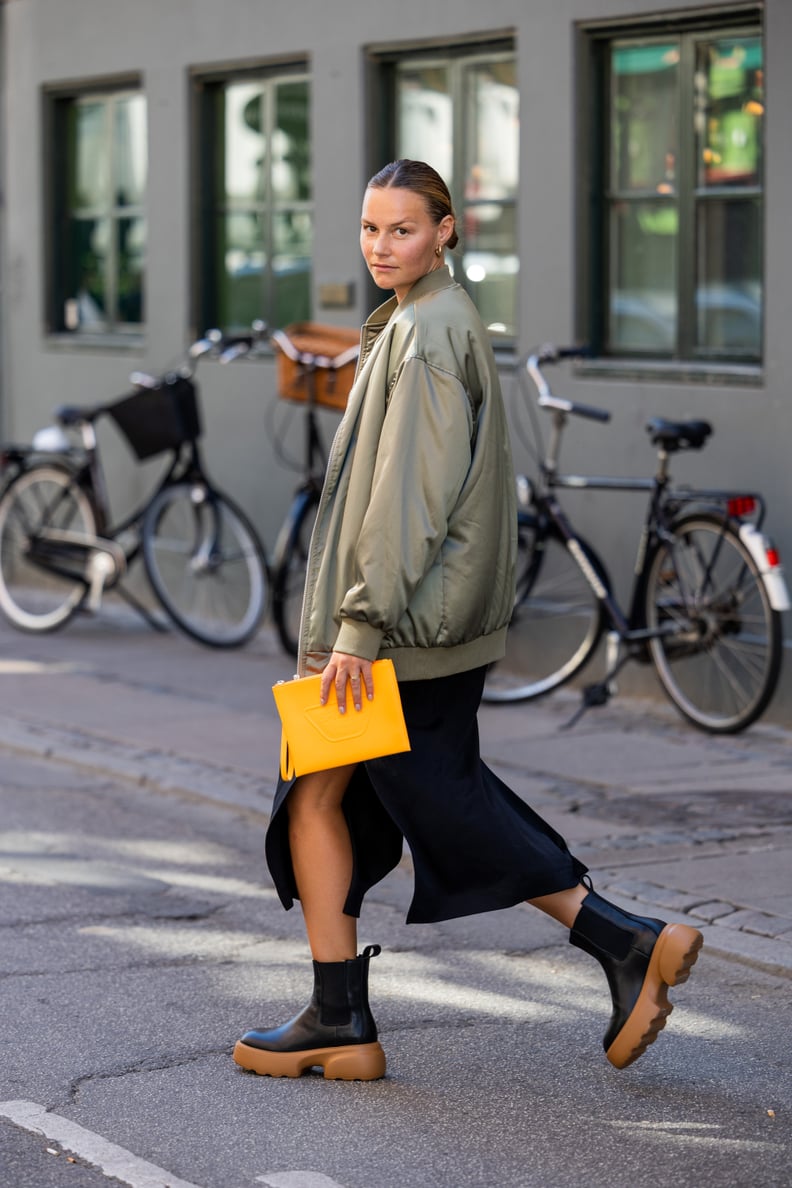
(352, 1062)
(674, 954)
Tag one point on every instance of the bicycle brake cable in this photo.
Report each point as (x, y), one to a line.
(535, 445)
(277, 431)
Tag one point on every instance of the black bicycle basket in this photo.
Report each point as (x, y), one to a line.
(154, 420)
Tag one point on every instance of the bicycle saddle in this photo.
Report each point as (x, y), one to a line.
(678, 435)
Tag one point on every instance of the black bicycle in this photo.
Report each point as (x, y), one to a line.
(316, 369)
(707, 594)
(60, 550)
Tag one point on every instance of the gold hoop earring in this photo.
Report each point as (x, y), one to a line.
(439, 249)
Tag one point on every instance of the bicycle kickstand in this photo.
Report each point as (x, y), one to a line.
(144, 612)
(601, 692)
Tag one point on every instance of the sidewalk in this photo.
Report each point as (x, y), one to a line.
(671, 821)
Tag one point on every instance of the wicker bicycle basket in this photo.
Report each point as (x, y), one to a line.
(316, 363)
(154, 420)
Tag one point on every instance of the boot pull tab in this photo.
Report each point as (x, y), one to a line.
(371, 951)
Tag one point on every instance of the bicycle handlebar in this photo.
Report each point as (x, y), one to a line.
(548, 354)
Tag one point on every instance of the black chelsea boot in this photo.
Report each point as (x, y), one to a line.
(641, 957)
(335, 1031)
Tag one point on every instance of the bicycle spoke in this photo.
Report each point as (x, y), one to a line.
(718, 648)
(205, 565)
(42, 582)
(554, 628)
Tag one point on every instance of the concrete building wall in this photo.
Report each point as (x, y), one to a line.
(49, 42)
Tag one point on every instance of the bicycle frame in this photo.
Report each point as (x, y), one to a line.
(664, 503)
(185, 463)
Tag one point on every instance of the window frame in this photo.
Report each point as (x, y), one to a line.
(206, 135)
(57, 100)
(457, 54)
(593, 43)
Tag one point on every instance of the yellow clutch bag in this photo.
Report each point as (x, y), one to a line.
(316, 737)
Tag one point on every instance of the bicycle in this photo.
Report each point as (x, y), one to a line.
(707, 593)
(60, 550)
(316, 369)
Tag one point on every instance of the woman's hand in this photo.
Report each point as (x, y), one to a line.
(352, 669)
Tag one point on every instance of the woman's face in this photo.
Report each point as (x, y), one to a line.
(398, 238)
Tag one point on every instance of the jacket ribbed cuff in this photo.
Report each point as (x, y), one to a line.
(358, 639)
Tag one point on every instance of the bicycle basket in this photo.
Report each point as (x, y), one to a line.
(154, 420)
(316, 363)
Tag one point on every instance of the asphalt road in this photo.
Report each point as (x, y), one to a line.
(139, 936)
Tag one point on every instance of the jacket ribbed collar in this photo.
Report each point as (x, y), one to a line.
(431, 282)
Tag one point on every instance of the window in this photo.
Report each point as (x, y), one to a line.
(459, 110)
(98, 186)
(255, 215)
(677, 245)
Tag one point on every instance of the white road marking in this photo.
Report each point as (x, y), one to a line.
(112, 1160)
(35, 668)
(297, 1179)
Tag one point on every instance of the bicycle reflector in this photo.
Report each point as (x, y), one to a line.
(740, 506)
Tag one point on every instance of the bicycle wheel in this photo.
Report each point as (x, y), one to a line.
(290, 568)
(557, 618)
(206, 564)
(720, 661)
(43, 582)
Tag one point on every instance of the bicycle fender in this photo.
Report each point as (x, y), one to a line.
(769, 565)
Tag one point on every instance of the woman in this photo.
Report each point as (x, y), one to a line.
(412, 557)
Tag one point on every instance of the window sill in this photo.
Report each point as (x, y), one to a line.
(95, 342)
(714, 374)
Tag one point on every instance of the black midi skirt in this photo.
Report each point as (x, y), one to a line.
(475, 845)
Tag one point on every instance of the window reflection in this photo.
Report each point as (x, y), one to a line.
(644, 117)
(730, 106)
(262, 229)
(481, 165)
(425, 116)
(102, 254)
(681, 259)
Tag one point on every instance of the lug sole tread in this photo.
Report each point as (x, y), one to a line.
(350, 1062)
(675, 953)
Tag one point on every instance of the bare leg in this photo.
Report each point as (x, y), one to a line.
(562, 905)
(321, 852)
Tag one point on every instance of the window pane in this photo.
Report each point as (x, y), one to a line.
(85, 302)
(729, 112)
(241, 267)
(131, 258)
(644, 117)
(89, 155)
(291, 165)
(729, 281)
(244, 127)
(491, 280)
(492, 128)
(293, 237)
(424, 116)
(643, 303)
(491, 265)
(130, 150)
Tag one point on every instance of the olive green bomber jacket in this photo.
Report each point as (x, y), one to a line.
(414, 545)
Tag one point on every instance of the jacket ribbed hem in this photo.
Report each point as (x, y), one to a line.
(424, 664)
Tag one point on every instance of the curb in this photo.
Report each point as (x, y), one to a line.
(160, 771)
